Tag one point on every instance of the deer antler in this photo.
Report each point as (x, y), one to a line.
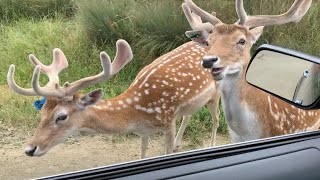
(203, 14)
(195, 20)
(12, 84)
(52, 88)
(298, 9)
(59, 63)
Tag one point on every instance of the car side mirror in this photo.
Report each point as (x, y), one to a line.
(290, 75)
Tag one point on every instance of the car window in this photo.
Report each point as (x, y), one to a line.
(156, 78)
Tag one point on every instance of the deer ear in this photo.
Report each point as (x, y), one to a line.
(200, 36)
(91, 98)
(256, 33)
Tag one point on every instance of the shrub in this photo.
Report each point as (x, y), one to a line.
(106, 21)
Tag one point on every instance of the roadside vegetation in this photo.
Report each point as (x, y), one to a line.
(84, 28)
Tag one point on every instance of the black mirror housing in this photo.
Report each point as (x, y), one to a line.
(287, 74)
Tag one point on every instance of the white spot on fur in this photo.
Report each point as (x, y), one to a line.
(157, 109)
(136, 99)
(128, 100)
(164, 93)
(150, 110)
(165, 82)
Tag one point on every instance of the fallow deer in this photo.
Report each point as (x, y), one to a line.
(163, 91)
(250, 113)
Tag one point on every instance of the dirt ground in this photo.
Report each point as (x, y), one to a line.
(80, 153)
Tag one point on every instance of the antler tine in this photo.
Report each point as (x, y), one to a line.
(203, 14)
(298, 9)
(85, 82)
(123, 56)
(13, 86)
(52, 88)
(195, 20)
(49, 90)
(241, 12)
(59, 63)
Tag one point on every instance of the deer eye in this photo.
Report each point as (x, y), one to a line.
(61, 117)
(241, 42)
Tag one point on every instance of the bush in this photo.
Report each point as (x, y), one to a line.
(106, 21)
(151, 27)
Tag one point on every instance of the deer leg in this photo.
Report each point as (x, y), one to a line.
(169, 137)
(144, 146)
(213, 107)
(177, 140)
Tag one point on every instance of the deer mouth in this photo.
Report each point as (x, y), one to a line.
(217, 71)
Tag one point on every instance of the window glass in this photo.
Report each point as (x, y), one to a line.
(30, 125)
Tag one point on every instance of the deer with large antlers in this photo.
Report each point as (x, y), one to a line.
(163, 91)
(250, 113)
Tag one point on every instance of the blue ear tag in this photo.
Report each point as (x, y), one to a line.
(196, 35)
(39, 103)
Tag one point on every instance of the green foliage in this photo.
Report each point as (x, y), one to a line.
(151, 27)
(25, 119)
(106, 21)
(13, 10)
(201, 124)
(155, 34)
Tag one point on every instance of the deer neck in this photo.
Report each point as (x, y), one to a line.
(112, 116)
(242, 121)
(252, 113)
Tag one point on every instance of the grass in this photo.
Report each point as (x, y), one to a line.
(84, 28)
(13, 10)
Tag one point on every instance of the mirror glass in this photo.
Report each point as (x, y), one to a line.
(292, 78)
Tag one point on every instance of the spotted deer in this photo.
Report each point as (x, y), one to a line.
(163, 91)
(250, 113)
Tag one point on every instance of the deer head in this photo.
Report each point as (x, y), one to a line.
(230, 44)
(60, 115)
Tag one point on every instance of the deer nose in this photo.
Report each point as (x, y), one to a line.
(208, 61)
(30, 151)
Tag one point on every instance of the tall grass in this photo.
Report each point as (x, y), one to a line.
(155, 34)
(106, 21)
(152, 27)
(13, 10)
